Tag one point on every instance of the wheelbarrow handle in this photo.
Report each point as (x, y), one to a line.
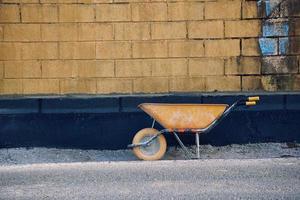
(250, 103)
(255, 98)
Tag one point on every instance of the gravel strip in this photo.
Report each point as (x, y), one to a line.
(13, 156)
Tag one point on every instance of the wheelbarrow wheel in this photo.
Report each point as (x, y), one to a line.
(156, 148)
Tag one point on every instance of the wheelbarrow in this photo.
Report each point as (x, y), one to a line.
(150, 144)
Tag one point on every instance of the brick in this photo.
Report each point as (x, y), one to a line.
(273, 83)
(168, 30)
(112, 50)
(242, 28)
(22, 32)
(109, 86)
(9, 13)
(132, 31)
(243, 65)
(69, 1)
(206, 29)
(206, 67)
(185, 11)
(29, 1)
(95, 1)
(250, 10)
(22, 69)
(41, 50)
(299, 63)
(76, 13)
(282, 45)
(187, 84)
(77, 50)
(39, 13)
(223, 83)
(1, 33)
(250, 47)
(130, 1)
(10, 1)
(276, 82)
(11, 86)
(78, 86)
(150, 85)
(294, 46)
(150, 49)
(99, 68)
(40, 86)
(275, 27)
(113, 12)
(149, 12)
(294, 27)
(133, 68)
(214, 48)
(59, 32)
(10, 51)
(223, 10)
(296, 83)
(59, 69)
(169, 67)
(48, 1)
(251, 83)
(190, 48)
(1, 70)
(290, 8)
(279, 65)
(1, 86)
(66, 1)
(95, 31)
(269, 46)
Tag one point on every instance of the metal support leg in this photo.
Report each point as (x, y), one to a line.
(188, 154)
(197, 145)
(153, 123)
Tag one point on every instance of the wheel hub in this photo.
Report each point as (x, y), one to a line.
(152, 147)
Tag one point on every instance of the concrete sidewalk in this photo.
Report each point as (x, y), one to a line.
(275, 178)
(253, 171)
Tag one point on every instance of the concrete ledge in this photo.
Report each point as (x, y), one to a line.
(80, 105)
(129, 104)
(17, 106)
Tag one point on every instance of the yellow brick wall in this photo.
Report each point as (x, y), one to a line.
(138, 46)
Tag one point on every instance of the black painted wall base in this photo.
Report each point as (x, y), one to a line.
(111, 122)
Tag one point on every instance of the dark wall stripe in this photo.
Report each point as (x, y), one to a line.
(111, 122)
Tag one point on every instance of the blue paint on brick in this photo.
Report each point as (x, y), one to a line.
(268, 5)
(275, 29)
(268, 46)
(268, 8)
(283, 45)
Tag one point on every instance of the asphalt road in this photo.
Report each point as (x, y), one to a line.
(276, 178)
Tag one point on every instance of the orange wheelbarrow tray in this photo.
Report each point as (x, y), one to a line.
(150, 144)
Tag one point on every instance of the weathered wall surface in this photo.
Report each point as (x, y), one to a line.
(143, 46)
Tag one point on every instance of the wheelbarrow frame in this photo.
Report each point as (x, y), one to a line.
(248, 101)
